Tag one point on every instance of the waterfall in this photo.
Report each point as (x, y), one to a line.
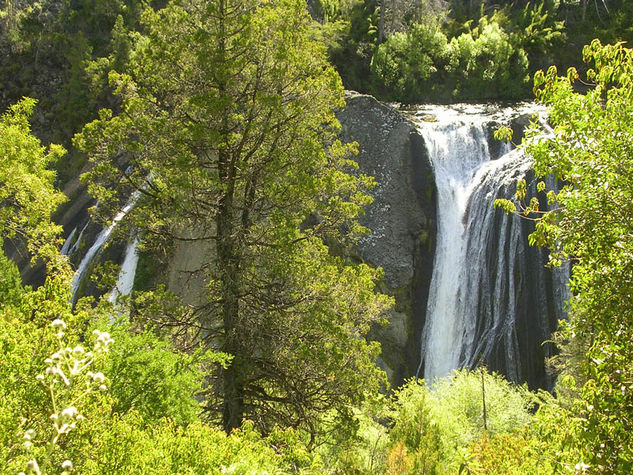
(77, 243)
(101, 240)
(69, 241)
(490, 299)
(125, 281)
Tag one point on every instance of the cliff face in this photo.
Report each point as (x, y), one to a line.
(401, 220)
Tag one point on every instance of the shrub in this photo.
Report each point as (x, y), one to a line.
(487, 64)
(407, 66)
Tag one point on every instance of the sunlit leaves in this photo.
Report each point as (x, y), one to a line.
(26, 182)
(591, 151)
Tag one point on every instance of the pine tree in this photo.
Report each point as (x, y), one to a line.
(228, 131)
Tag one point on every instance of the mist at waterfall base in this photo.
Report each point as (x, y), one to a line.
(491, 300)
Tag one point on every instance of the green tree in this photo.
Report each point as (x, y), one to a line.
(27, 193)
(228, 131)
(591, 152)
(58, 410)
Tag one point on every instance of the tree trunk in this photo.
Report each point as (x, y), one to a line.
(228, 264)
(381, 21)
(228, 270)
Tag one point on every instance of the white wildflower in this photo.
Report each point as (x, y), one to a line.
(581, 467)
(76, 369)
(33, 467)
(98, 378)
(69, 412)
(58, 371)
(58, 324)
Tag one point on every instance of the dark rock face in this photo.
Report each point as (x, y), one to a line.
(401, 220)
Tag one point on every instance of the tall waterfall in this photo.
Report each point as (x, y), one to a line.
(490, 299)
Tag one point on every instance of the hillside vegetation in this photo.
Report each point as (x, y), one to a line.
(219, 115)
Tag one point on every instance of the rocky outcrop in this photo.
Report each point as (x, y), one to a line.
(401, 221)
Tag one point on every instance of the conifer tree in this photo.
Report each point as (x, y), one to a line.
(227, 129)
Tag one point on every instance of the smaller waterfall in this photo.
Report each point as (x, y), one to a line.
(125, 281)
(69, 240)
(77, 243)
(101, 240)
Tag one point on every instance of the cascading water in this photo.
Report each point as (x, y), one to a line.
(125, 281)
(65, 250)
(101, 240)
(489, 300)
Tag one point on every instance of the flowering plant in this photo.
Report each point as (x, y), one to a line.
(69, 381)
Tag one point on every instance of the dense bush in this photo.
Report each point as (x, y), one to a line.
(408, 66)
(485, 62)
(422, 430)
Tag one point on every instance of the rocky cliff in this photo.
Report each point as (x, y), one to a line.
(401, 220)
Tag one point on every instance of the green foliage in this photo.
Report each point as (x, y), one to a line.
(26, 182)
(71, 387)
(589, 152)
(152, 378)
(352, 55)
(422, 430)
(90, 435)
(416, 444)
(548, 444)
(539, 31)
(407, 66)
(59, 52)
(488, 62)
(482, 63)
(456, 407)
(120, 445)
